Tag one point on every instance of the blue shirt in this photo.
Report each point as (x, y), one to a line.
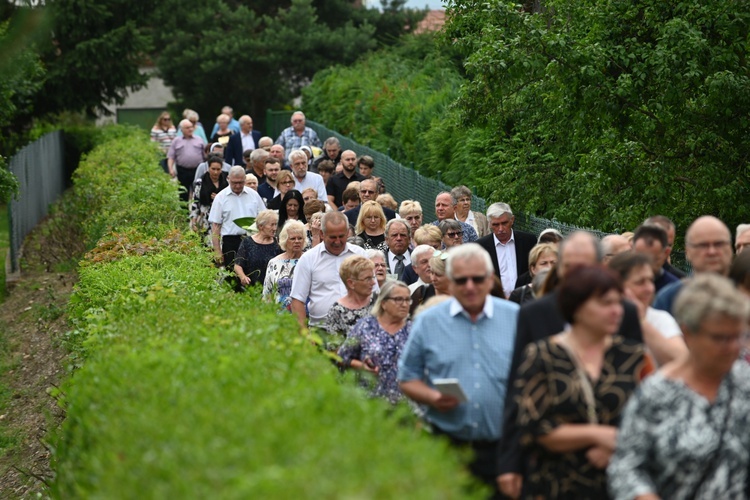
(233, 125)
(291, 141)
(666, 297)
(444, 343)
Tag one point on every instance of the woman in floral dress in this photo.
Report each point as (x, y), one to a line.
(278, 283)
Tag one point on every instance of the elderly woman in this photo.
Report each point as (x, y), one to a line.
(357, 273)
(429, 235)
(224, 132)
(440, 282)
(381, 269)
(411, 211)
(280, 270)
(375, 343)
(206, 189)
(371, 225)
(284, 184)
(452, 233)
(684, 435)
(251, 181)
(571, 388)
(661, 333)
(461, 198)
(257, 250)
(542, 256)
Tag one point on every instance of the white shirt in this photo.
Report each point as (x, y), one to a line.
(663, 322)
(228, 207)
(416, 285)
(506, 262)
(315, 181)
(317, 277)
(247, 141)
(392, 261)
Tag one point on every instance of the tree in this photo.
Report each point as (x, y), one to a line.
(606, 112)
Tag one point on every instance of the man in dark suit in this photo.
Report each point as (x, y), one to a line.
(397, 257)
(539, 319)
(247, 139)
(508, 249)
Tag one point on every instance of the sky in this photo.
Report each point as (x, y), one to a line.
(419, 4)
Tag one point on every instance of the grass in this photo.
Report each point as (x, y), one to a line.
(4, 244)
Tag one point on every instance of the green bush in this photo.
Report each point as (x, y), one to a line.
(186, 389)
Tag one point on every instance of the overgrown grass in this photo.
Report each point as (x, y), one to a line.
(4, 245)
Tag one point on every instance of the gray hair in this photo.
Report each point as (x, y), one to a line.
(298, 113)
(385, 293)
(397, 221)
(291, 226)
(741, 229)
(237, 171)
(419, 250)
(468, 251)
(448, 224)
(459, 192)
(185, 123)
(259, 155)
(709, 294)
(408, 207)
(297, 153)
(371, 253)
(266, 217)
(245, 119)
(498, 209)
(332, 141)
(334, 218)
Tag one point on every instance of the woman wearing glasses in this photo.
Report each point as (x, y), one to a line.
(358, 274)
(453, 234)
(371, 225)
(375, 343)
(163, 133)
(284, 183)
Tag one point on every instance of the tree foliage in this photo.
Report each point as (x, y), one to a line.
(606, 112)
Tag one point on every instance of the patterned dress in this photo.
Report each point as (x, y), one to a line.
(548, 393)
(367, 339)
(339, 321)
(253, 257)
(670, 433)
(278, 282)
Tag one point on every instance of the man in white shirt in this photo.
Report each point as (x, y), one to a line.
(316, 276)
(304, 179)
(230, 204)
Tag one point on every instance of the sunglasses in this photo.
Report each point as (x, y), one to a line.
(454, 235)
(477, 280)
(440, 253)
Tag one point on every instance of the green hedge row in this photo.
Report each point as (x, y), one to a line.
(188, 390)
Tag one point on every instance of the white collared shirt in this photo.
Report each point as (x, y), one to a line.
(506, 262)
(228, 206)
(392, 261)
(247, 141)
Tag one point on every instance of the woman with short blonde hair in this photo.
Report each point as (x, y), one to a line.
(358, 274)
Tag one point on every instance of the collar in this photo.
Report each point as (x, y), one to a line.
(245, 190)
(512, 238)
(456, 308)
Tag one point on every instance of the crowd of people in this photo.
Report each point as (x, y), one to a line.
(571, 367)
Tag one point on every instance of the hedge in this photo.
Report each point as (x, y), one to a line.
(185, 389)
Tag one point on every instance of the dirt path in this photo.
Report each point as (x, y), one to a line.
(32, 323)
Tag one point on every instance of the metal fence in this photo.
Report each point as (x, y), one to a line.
(407, 184)
(40, 169)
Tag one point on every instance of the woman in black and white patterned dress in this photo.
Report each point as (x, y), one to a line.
(685, 433)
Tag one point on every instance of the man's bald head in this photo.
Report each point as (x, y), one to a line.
(708, 245)
(579, 248)
(613, 244)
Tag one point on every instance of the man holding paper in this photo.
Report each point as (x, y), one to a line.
(468, 338)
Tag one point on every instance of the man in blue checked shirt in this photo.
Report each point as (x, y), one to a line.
(470, 338)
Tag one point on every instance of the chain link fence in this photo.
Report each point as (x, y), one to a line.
(405, 183)
(41, 173)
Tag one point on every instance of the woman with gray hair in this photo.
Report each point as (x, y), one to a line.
(453, 234)
(375, 343)
(461, 198)
(280, 270)
(684, 434)
(257, 250)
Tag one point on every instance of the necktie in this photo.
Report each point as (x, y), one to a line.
(398, 270)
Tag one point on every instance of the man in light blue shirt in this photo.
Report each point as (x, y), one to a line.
(470, 338)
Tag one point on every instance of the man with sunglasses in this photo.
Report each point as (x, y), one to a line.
(469, 338)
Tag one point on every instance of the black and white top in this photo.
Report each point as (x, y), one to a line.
(669, 434)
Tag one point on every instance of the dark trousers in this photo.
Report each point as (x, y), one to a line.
(229, 246)
(185, 176)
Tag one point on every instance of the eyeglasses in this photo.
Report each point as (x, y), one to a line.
(369, 278)
(705, 245)
(166, 119)
(400, 300)
(287, 182)
(452, 234)
(366, 191)
(478, 280)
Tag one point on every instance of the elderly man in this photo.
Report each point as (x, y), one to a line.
(184, 156)
(468, 338)
(339, 182)
(539, 319)
(509, 249)
(232, 203)
(246, 140)
(316, 276)
(708, 248)
(257, 164)
(742, 242)
(331, 151)
(271, 169)
(614, 244)
(298, 134)
(368, 190)
(233, 124)
(652, 240)
(397, 258)
(304, 179)
(278, 151)
(265, 142)
(444, 210)
(420, 261)
(666, 224)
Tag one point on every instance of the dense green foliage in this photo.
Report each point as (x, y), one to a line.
(189, 390)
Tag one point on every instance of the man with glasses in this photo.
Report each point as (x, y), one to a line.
(331, 151)
(468, 338)
(708, 248)
(298, 134)
(339, 182)
(367, 192)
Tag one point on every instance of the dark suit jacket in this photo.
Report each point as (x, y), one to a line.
(408, 276)
(524, 242)
(354, 213)
(233, 151)
(537, 320)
